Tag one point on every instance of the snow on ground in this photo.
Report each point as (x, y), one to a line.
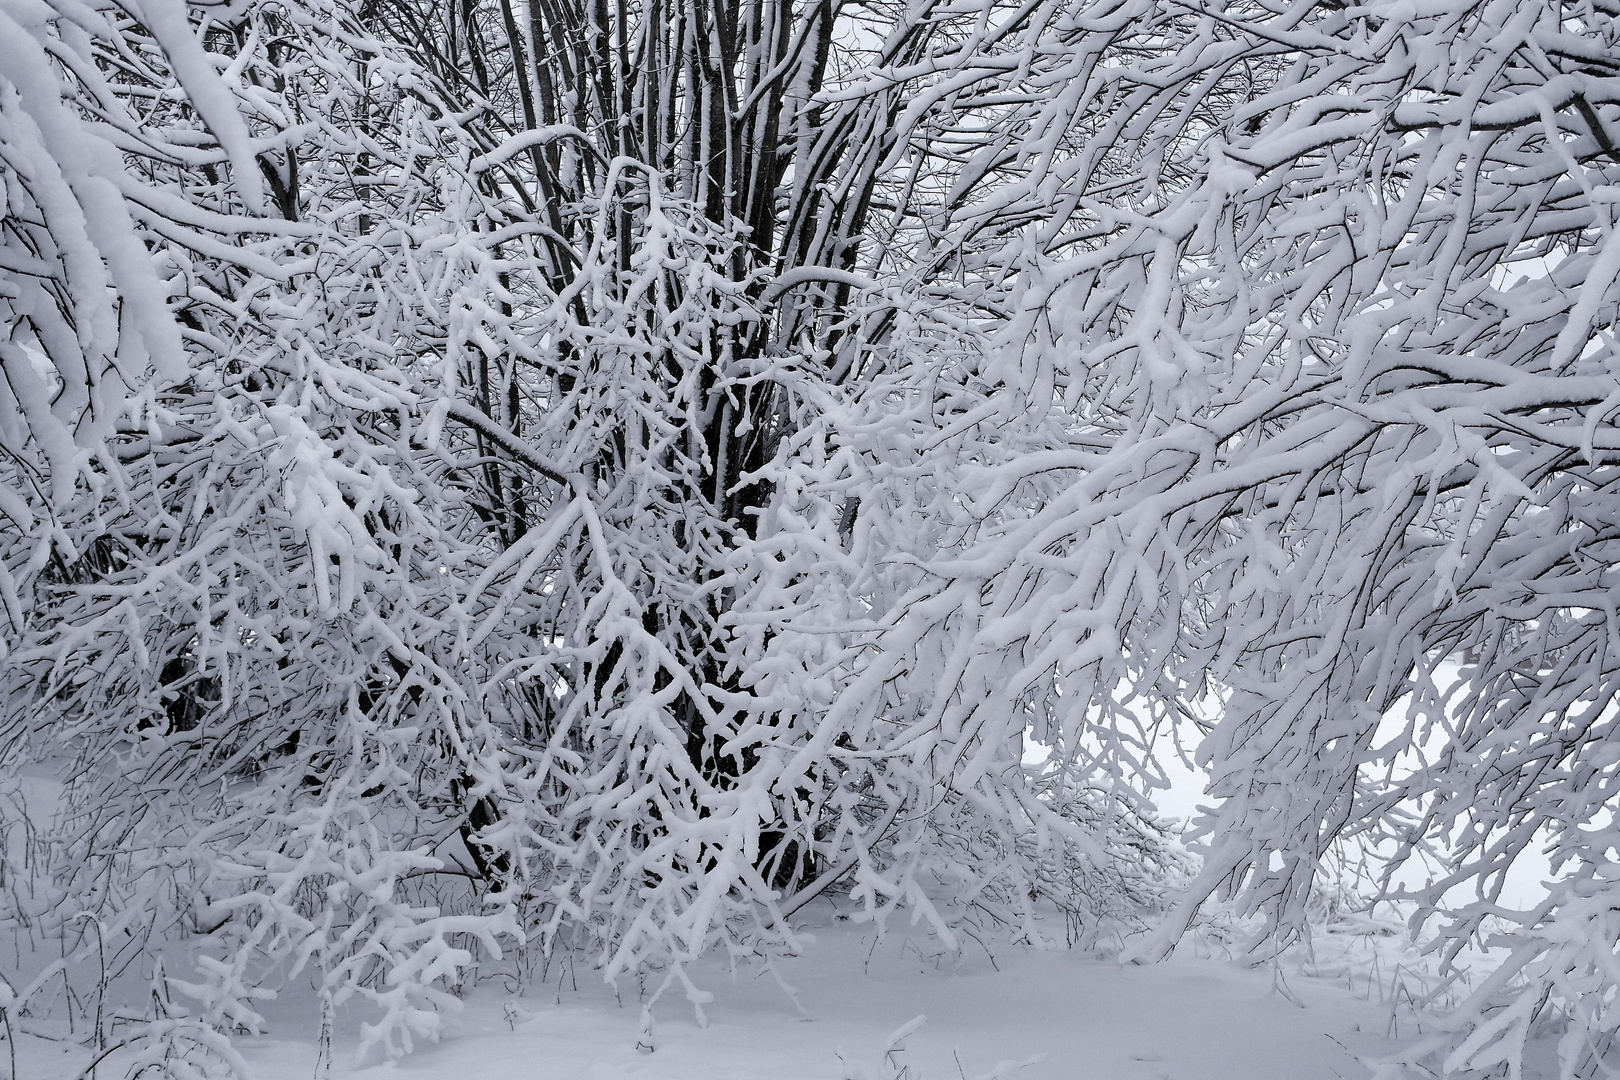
(1059, 1014)
(992, 1011)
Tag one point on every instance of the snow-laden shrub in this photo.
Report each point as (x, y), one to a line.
(628, 509)
(214, 601)
(1558, 980)
(426, 562)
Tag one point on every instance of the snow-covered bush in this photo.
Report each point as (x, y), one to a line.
(442, 502)
(1333, 322)
(231, 622)
(480, 476)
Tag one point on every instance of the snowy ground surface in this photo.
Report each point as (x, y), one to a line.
(1043, 1014)
(993, 1012)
